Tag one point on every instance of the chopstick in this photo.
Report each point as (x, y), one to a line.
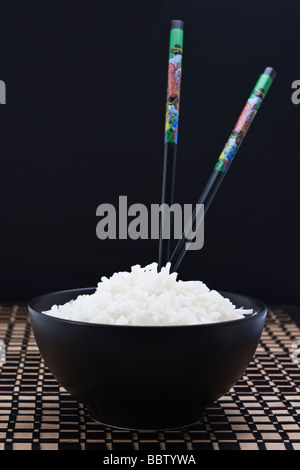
(225, 159)
(171, 137)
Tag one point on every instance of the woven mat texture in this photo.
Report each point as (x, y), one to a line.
(261, 412)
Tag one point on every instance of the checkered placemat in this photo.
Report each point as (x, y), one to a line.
(262, 411)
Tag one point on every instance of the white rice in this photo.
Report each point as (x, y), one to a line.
(147, 297)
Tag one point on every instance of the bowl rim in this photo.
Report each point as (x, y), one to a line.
(249, 317)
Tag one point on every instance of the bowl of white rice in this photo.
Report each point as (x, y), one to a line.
(144, 350)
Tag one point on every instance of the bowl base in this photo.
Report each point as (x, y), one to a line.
(158, 427)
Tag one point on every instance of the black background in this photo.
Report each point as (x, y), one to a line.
(84, 122)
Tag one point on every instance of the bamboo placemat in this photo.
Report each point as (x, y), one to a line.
(262, 411)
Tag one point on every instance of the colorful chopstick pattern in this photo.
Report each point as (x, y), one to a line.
(174, 83)
(246, 118)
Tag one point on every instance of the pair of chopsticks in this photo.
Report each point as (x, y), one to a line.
(224, 161)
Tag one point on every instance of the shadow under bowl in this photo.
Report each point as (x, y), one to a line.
(146, 377)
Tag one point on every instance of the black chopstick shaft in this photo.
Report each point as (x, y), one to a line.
(168, 188)
(206, 199)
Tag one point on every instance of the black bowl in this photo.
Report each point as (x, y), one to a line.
(146, 377)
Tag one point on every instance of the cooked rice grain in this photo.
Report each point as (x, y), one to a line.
(147, 297)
